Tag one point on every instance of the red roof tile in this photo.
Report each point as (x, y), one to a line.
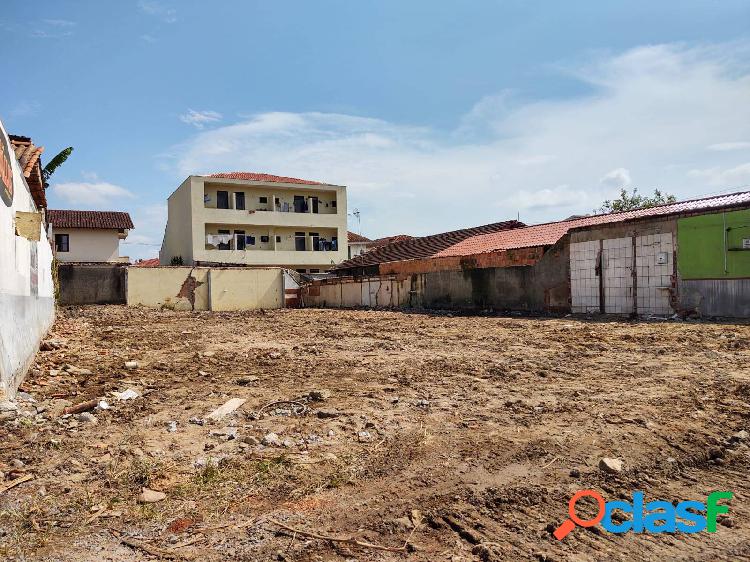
(252, 176)
(28, 156)
(353, 237)
(89, 219)
(389, 240)
(549, 233)
(421, 247)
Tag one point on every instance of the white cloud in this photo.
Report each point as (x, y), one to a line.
(649, 113)
(91, 195)
(200, 118)
(158, 9)
(736, 177)
(724, 146)
(617, 178)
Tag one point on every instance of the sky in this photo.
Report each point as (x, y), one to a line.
(435, 115)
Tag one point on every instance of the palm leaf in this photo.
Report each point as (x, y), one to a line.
(55, 163)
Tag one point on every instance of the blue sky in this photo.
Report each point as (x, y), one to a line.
(435, 115)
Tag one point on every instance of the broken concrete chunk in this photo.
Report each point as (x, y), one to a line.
(271, 439)
(128, 394)
(150, 496)
(247, 379)
(319, 395)
(209, 353)
(364, 436)
(87, 417)
(131, 365)
(172, 426)
(612, 466)
(227, 408)
(197, 421)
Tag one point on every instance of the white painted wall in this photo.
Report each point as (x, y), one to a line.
(89, 245)
(27, 307)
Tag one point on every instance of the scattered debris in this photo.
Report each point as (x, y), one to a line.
(128, 394)
(247, 379)
(271, 439)
(150, 496)
(82, 407)
(13, 483)
(226, 408)
(172, 427)
(130, 365)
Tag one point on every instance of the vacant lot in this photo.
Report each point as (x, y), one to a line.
(437, 437)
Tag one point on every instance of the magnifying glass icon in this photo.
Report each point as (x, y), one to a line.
(569, 524)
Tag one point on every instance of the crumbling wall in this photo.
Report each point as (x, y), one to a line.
(538, 281)
(178, 288)
(203, 288)
(92, 284)
(541, 287)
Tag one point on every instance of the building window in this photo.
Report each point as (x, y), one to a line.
(278, 239)
(222, 200)
(239, 200)
(264, 238)
(239, 237)
(315, 240)
(314, 271)
(263, 199)
(333, 203)
(299, 241)
(62, 242)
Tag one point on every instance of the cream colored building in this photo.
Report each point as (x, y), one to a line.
(256, 220)
(89, 236)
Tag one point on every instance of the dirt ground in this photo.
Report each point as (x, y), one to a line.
(433, 436)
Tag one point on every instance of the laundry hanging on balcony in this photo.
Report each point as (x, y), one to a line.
(216, 239)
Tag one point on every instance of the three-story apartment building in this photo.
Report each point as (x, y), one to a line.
(256, 220)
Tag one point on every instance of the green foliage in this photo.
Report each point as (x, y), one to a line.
(631, 201)
(55, 163)
(176, 260)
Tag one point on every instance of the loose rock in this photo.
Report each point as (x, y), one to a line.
(150, 496)
(612, 466)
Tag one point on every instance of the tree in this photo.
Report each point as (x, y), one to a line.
(54, 164)
(632, 201)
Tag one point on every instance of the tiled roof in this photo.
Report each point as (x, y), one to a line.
(353, 237)
(28, 156)
(152, 262)
(89, 219)
(389, 240)
(252, 176)
(549, 233)
(422, 247)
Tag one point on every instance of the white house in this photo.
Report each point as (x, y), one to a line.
(89, 236)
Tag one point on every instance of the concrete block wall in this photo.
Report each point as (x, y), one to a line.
(617, 267)
(654, 278)
(584, 282)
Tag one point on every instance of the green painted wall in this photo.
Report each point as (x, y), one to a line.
(700, 240)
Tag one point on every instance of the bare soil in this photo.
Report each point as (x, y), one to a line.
(439, 437)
